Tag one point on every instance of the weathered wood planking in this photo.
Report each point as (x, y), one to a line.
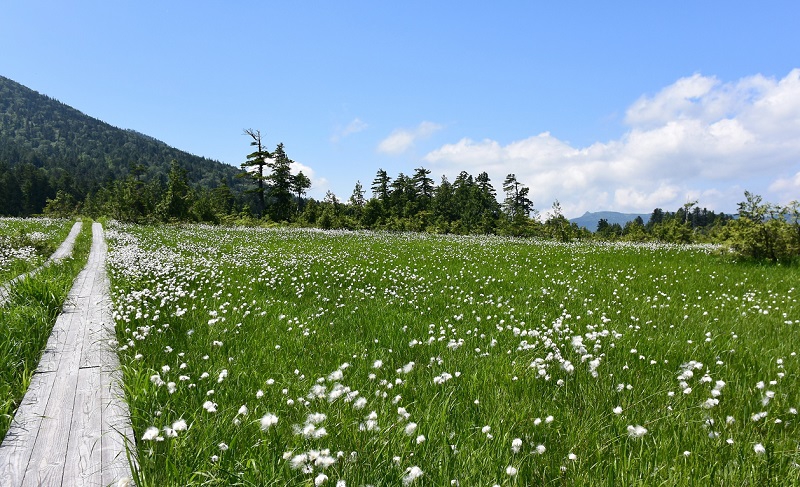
(73, 427)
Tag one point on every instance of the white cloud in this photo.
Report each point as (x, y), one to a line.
(355, 126)
(788, 188)
(297, 167)
(698, 138)
(319, 185)
(402, 140)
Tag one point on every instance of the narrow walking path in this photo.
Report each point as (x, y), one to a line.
(62, 252)
(72, 425)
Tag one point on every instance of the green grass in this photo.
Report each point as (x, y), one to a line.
(209, 314)
(27, 319)
(25, 243)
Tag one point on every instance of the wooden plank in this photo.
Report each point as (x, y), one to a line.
(72, 427)
(117, 434)
(17, 446)
(48, 459)
(65, 249)
(83, 460)
(97, 298)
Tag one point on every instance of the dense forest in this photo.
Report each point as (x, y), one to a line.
(48, 148)
(55, 160)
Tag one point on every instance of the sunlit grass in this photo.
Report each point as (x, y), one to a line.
(27, 319)
(518, 362)
(25, 243)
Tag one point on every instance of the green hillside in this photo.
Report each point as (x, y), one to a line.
(47, 146)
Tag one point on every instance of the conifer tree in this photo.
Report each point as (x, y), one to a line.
(254, 166)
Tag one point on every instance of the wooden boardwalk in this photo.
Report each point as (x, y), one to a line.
(72, 426)
(62, 252)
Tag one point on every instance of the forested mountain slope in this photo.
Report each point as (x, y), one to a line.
(47, 146)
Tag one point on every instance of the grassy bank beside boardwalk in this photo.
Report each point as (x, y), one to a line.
(28, 317)
(299, 357)
(25, 243)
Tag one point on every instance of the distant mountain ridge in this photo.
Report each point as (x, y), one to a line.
(74, 152)
(589, 219)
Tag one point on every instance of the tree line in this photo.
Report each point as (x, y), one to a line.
(414, 202)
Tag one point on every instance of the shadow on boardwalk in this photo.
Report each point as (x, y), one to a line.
(72, 425)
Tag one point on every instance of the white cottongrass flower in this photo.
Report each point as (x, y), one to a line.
(759, 449)
(371, 424)
(209, 406)
(617, 410)
(320, 479)
(223, 447)
(572, 457)
(420, 439)
(511, 471)
(222, 375)
(412, 474)
(180, 425)
(410, 429)
(636, 431)
(540, 449)
(243, 411)
(150, 434)
(268, 420)
(516, 445)
(298, 461)
(442, 378)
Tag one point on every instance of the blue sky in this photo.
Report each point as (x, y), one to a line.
(622, 106)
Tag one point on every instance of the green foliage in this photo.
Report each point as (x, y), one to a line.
(27, 320)
(176, 200)
(280, 185)
(564, 345)
(47, 147)
(765, 231)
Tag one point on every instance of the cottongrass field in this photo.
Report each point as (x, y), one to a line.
(300, 357)
(33, 304)
(25, 243)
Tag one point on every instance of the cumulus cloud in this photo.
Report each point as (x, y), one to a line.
(788, 188)
(698, 138)
(297, 167)
(355, 126)
(402, 140)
